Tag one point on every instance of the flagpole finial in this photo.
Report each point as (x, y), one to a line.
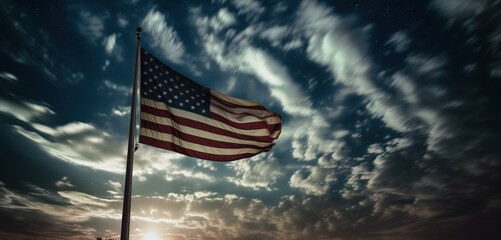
(138, 33)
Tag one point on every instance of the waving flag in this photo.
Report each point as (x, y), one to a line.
(181, 115)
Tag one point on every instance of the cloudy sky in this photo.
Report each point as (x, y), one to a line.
(391, 119)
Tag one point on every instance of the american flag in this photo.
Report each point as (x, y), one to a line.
(181, 115)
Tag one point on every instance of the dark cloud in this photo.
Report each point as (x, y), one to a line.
(386, 135)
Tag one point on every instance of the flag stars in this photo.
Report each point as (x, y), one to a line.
(165, 85)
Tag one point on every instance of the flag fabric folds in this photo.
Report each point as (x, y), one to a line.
(181, 115)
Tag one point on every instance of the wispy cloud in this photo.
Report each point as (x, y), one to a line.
(465, 8)
(118, 88)
(120, 111)
(80, 144)
(163, 36)
(92, 25)
(122, 21)
(8, 76)
(25, 111)
(64, 182)
(248, 7)
(400, 41)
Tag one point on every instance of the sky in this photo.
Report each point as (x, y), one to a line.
(391, 119)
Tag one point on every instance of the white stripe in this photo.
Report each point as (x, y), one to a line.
(233, 100)
(202, 119)
(242, 118)
(252, 115)
(194, 146)
(198, 132)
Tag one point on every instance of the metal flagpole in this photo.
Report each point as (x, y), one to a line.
(124, 235)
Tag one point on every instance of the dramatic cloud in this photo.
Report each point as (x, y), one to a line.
(79, 143)
(63, 211)
(24, 111)
(317, 181)
(276, 77)
(390, 114)
(257, 173)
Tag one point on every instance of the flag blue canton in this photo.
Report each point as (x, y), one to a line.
(161, 83)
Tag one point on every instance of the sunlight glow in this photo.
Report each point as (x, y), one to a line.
(151, 236)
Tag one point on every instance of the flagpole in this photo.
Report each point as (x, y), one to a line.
(130, 152)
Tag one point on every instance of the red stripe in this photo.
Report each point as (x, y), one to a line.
(196, 139)
(193, 153)
(275, 127)
(243, 126)
(247, 126)
(202, 126)
(229, 104)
